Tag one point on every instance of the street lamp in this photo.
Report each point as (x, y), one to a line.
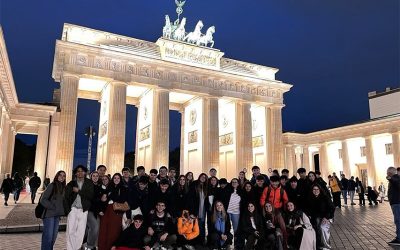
(89, 132)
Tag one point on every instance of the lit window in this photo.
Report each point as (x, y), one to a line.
(388, 148)
(363, 151)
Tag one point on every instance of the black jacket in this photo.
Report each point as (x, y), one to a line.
(7, 186)
(394, 189)
(245, 223)
(86, 194)
(132, 237)
(35, 182)
(320, 207)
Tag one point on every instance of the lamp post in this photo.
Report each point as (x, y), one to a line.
(89, 132)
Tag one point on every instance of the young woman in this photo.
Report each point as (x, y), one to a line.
(180, 191)
(189, 179)
(234, 209)
(188, 231)
(52, 200)
(92, 225)
(275, 230)
(321, 210)
(197, 204)
(219, 228)
(301, 234)
(111, 222)
(247, 197)
(242, 179)
(252, 227)
(211, 194)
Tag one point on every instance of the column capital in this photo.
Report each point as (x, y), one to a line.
(69, 75)
(116, 82)
(276, 106)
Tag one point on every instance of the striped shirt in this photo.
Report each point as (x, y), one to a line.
(234, 203)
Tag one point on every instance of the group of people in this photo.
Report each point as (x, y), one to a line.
(16, 184)
(160, 210)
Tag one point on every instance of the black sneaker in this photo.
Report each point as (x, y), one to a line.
(395, 242)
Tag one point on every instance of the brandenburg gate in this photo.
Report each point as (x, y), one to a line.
(231, 110)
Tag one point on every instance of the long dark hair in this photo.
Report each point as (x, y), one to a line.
(59, 187)
(184, 188)
(120, 181)
(202, 186)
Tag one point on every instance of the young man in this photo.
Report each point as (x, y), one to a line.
(394, 199)
(34, 183)
(345, 186)
(165, 194)
(77, 201)
(161, 228)
(212, 173)
(126, 178)
(172, 176)
(303, 187)
(258, 189)
(257, 172)
(274, 194)
(7, 187)
(285, 172)
(132, 236)
(101, 169)
(141, 171)
(162, 173)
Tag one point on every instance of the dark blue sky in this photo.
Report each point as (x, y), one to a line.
(333, 52)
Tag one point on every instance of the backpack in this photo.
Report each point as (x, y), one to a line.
(40, 210)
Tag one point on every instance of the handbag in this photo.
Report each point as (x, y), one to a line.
(121, 207)
(40, 210)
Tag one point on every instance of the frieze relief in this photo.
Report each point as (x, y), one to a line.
(192, 137)
(144, 133)
(226, 139)
(103, 130)
(258, 141)
(168, 75)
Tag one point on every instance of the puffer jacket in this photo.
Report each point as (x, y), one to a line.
(186, 227)
(274, 197)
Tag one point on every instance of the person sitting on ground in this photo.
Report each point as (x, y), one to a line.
(132, 237)
(372, 196)
(219, 228)
(161, 228)
(274, 228)
(188, 231)
(301, 234)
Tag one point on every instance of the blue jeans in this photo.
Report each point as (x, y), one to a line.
(344, 192)
(235, 224)
(396, 215)
(50, 231)
(16, 194)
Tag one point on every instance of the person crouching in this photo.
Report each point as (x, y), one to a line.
(132, 237)
(188, 231)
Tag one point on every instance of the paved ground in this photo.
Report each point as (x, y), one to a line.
(355, 227)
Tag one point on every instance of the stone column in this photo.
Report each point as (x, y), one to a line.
(210, 132)
(160, 128)
(244, 145)
(396, 148)
(67, 125)
(41, 151)
(306, 158)
(323, 161)
(345, 159)
(370, 161)
(10, 149)
(116, 127)
(290, 159)
(137, 138)
(182, 147)
(4, 145)
(274, 136)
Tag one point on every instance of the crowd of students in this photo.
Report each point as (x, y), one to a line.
(160, 210)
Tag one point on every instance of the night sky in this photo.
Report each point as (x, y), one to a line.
(333, 52)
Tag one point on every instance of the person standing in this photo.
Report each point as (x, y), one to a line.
(351, 188)
(18, 185)
(394, 199)
(7, 187)
(77, 201)
(52, 201)
(345, 186)
(334, 184)
(360, 191)
(382, 192)
(34, 183)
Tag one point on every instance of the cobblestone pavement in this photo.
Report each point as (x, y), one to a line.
(355, 227)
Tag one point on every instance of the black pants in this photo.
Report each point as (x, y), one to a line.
(361, 199)
(251, 241)
(336, 199)
(33, 194)
(6, 196)
(181, 241)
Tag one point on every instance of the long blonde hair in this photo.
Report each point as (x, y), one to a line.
(215, 212)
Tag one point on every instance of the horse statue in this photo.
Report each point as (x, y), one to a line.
(179, 33)
(167, 29)
(207, 38)
(194, 36)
